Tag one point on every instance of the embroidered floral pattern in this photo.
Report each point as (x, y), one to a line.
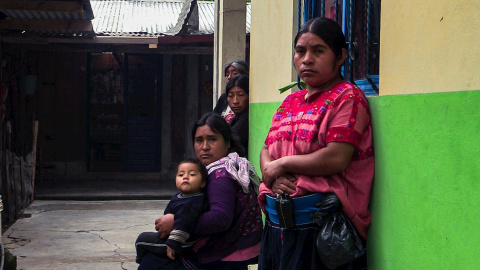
(304, 125)
(299, 119)
(239, 168)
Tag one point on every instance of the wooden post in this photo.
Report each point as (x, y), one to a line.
(34, 150)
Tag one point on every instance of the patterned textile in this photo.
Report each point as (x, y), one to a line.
(234, 221)
(240, 168)
(228, 114)
(303, 125)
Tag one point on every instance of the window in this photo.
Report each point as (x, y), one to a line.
(360, 21)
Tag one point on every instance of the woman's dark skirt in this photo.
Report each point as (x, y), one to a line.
(289, 249)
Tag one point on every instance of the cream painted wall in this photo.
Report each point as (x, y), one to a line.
(271, 48)
(230, 39)
(434, 51)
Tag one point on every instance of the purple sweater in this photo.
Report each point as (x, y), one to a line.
(234, 220)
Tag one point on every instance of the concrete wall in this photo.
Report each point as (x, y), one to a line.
(429, 46)
(271, 49)
(274, 25)
(425, 201)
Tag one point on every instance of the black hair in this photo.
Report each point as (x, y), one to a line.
(219, 125)
(201, 167)
(240, 81)
(240, 65)
(326, 29)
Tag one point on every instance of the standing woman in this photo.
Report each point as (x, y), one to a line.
(233, 224)
(237, 97)
(320, 141)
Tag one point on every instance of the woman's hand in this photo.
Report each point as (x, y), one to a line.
(274, 174)
(271, 171)
(284, 184)
(164, 225)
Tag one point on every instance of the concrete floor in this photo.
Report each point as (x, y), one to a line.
(86, 224)
(67, 234)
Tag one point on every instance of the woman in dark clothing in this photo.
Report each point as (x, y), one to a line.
(232, 69)
(233, 223)
(237, 97)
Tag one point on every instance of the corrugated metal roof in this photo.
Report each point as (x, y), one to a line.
(120, 18)
(68, 17)
(148, 18)
(46, 15)
(50, 10)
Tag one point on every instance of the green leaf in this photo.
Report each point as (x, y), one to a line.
(291, 85)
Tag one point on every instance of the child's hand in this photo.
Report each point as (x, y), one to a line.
(170, 253)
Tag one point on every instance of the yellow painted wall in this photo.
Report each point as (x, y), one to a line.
(271, 48)
(429, 46)
(229, 39)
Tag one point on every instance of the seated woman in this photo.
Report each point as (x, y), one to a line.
(233, 224)
(237, 97)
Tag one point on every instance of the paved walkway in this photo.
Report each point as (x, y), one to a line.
(68, 234)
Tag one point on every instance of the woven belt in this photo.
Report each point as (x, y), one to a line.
(303, 207)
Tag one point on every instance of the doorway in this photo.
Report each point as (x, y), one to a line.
(124, 113)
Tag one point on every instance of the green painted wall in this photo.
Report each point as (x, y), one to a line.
(260, 117)
(426, 195)
(425, 199)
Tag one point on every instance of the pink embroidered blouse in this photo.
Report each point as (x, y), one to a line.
(304, 125)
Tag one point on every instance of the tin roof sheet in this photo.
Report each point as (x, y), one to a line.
(67, 17)
(149, 18)
(119, 18)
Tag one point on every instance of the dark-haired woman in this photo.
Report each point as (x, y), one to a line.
(320, 141)
(233, 224)
(232, 69)
(237, 97)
